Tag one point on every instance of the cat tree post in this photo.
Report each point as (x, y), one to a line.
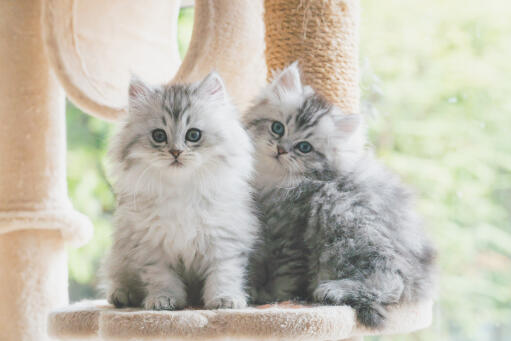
(227, 37)
(323, 36)
(36, 217)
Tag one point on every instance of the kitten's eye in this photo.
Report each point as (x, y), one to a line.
(278, 128)
(193, 135)
(304, 147)
(159, 135)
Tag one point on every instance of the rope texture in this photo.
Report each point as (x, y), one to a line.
(323, 36)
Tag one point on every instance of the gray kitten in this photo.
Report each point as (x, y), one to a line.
(184, 224)
(337, 228)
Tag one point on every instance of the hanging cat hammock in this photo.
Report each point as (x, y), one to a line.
(89, 48)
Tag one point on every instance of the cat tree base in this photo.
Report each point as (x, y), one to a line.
(96, 320)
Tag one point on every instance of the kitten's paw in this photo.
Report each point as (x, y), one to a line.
(227, 302)
(160, 302)
(329, 293)
(120, 298)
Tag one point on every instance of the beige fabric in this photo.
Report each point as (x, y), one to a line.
(97, 320)
(33, 189)
(94, 45)
(323, 36)
(33, 282)
(228, 36)
(36, 217)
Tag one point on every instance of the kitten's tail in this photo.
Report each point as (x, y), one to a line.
(369, 301)
(370, 311)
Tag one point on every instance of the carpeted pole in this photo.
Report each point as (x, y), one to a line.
(227, 37)
(36, 217)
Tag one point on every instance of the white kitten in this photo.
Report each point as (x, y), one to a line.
(184, 224)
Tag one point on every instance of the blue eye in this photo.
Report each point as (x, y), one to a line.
(278, 128)
(304, 147)
(159, 135)
(193, 135)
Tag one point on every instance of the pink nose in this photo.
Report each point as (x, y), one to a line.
(175, 152)
(281, 150)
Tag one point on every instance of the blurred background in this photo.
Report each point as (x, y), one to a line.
(437, 93)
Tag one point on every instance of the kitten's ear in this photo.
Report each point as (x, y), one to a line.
(288, 81)
(346, 123)
(212, 86)
(138, 89)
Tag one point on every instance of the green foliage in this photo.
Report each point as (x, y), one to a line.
(435, 76)
(185, 29)
(437, 73)
(90, 193)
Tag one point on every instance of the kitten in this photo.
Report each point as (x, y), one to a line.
(337, 228)
(184, 223)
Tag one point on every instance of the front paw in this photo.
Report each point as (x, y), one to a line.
(329, 293)
(160, 302)
(227, 302)
(120, 298)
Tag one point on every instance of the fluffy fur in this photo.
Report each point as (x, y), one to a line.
(184, 223)
(337, 228)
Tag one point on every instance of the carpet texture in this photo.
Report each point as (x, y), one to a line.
(93, 46)
(96, 320)
(37, 220)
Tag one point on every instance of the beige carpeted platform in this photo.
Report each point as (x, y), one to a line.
(96, 320)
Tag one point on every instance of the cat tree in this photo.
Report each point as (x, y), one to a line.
(88, 48)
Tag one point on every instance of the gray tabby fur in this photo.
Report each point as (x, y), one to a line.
(337, 227)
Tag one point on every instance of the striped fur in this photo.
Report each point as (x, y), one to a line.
(336, 226)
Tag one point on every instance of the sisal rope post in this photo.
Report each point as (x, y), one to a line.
(323, 36)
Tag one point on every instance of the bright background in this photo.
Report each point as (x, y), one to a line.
(436, 84)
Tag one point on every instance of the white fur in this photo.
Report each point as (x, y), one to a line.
(177, 225)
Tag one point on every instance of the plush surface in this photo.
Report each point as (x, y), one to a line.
(94, 45)
(36, 216)
(33, 189)
(97, 320)
(228, 36)
(74, 227)
(33, 273)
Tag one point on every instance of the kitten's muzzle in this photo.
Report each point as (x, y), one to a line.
(281, 150)
(175, 152)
